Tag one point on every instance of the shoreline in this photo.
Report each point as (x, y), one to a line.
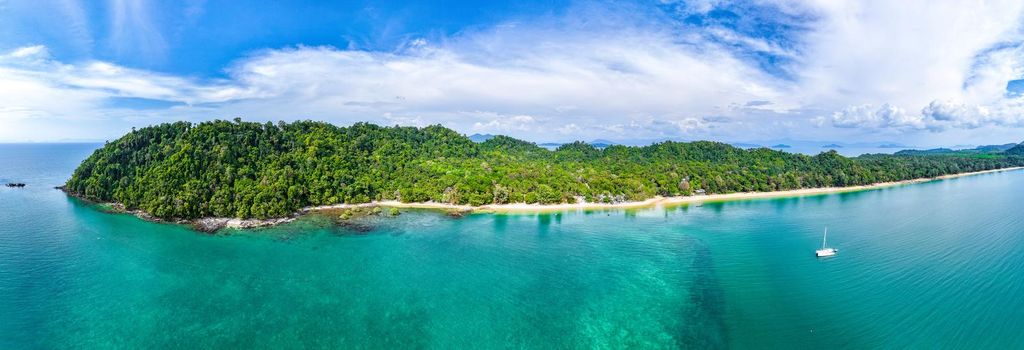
(207, 224)
(214, 224)
(650, 202)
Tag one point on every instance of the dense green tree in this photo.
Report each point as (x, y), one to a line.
(242, 169)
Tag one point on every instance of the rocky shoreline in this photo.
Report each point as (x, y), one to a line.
(214, 224)
(206, 225)
(211, 225)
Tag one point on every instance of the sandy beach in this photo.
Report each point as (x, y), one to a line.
(651, 202)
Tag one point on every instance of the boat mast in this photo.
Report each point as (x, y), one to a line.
(823, 238)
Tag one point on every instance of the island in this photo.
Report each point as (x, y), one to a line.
(246, 170)
(480, 137)
(995, 150)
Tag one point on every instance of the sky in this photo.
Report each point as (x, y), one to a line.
(919, 73)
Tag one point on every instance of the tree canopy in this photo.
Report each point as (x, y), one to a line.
(263, 170)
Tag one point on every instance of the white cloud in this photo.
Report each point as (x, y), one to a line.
(569, 129)
(937, 116)
(134, 31)
(907, 53)
(956, 114)
(860, 67)
(566, 76)
(73, 14)
(404, 120)
(27, 53)
(857, 117)
(869, 116)
(505, 124)
(949, 114)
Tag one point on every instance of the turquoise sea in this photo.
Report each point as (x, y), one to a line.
(933, 265)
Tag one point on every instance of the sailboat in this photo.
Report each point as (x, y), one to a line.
(825, 250)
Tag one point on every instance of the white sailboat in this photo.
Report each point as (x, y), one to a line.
(825, 250)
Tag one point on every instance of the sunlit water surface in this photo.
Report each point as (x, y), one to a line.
(929, 265)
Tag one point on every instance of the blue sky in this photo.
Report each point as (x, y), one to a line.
(197, 37)
(912, 72)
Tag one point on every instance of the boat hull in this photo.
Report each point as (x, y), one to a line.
(825, 252)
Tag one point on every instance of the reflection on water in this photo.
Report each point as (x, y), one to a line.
(923, 266)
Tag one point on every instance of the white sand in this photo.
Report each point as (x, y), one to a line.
(525, 207)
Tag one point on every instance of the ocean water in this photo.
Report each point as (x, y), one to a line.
(933, 265)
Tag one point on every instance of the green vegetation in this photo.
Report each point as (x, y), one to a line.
(988, 150)
(242, 169)
(1017, 150)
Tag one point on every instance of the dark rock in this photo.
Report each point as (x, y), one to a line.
(209, 225)
(357, 227)
(118, 208)
(456, 213)
(15, 184)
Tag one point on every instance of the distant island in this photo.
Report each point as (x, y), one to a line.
(480, 137)
(832, 145)
(996, 148)
(934, 151)
(993, 150)
(265, 170)
(782, 145)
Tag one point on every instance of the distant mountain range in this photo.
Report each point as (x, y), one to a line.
(808, 146)
(478, 138)
(996, 148)
(1009, 148)
(598, 143)
(601, 143)
(1016, 150)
